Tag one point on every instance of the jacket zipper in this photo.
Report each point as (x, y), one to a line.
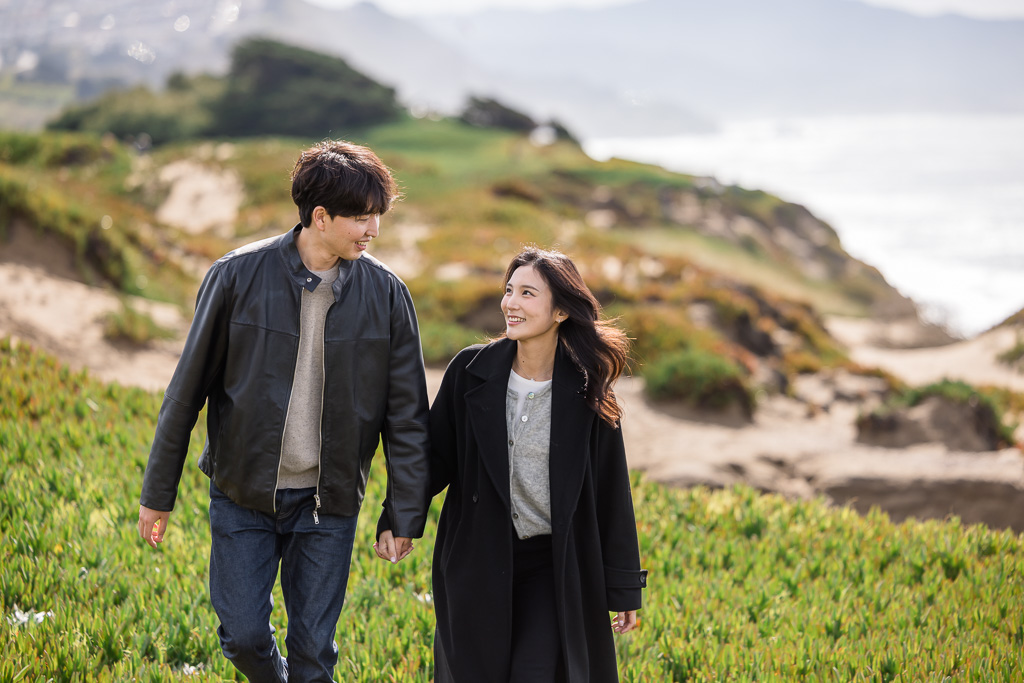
(320, 452)
(323, 386)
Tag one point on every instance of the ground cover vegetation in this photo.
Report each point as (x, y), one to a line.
(743, 586)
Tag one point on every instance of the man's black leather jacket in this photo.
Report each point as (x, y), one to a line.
(240, 356)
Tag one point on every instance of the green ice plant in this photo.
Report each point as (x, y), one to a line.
(743, 587)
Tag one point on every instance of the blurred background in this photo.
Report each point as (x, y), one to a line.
(899, 122)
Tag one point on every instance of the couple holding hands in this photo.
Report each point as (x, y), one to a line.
(306, 352)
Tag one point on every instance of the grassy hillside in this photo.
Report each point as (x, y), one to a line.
(743, 587)
(473, 197)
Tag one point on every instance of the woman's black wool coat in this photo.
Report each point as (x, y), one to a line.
(594, 539)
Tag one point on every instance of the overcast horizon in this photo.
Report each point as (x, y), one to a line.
(978, 9)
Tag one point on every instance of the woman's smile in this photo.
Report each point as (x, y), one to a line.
(528, 306)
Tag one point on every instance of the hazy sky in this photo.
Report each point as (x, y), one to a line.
(985, 9)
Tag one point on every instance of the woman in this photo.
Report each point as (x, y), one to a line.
(537, 541)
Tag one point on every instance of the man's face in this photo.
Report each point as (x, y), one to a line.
(348, 236)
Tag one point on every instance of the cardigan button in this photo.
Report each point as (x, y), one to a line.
(511, 442)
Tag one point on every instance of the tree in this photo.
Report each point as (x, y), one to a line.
(278, 89)
(487, 113)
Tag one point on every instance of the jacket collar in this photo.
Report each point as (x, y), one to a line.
(303, 276)
(571, 424)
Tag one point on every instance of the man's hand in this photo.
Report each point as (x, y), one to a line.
(392, 549)
(152, 525)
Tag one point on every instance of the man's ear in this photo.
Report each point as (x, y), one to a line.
(319, 217)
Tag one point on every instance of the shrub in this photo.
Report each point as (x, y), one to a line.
(1014, 356)
(460, 301)
(987, 408)
(657, 330)
(702, 379)
(139, 112)
(442, 340)
(132, 326)
(53, 150)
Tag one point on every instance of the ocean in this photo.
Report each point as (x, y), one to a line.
(936, 203)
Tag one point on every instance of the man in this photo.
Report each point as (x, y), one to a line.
(307, 351)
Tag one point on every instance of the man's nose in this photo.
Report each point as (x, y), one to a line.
(374, 228)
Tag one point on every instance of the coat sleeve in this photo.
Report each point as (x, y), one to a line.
(202, 359)
(405, 437)
(442, 441)
(624, 579)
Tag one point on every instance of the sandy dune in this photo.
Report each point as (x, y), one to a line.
(973, 361)
(65, 318)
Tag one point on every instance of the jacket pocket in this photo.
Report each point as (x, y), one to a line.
(206, 461)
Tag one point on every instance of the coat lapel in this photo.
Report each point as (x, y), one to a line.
(485, 407)
(571, 424)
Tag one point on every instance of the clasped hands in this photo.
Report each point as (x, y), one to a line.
(391, 548)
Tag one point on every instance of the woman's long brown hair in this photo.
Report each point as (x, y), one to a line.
(596, 345)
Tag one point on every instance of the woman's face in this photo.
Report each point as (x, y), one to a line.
(528, 306)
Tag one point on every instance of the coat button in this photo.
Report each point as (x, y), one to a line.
(475, 497)
(309, 279)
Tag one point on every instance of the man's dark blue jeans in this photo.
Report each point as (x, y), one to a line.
(246, 548)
